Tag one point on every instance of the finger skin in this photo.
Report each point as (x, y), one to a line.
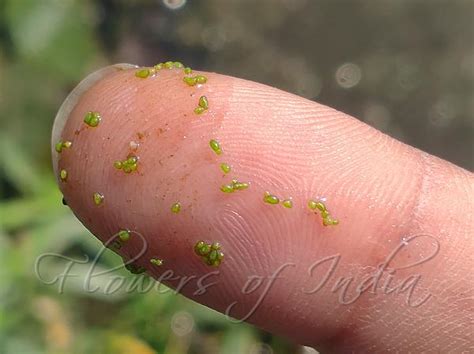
(382, 192)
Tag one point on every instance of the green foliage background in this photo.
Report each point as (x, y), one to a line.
(417, 63)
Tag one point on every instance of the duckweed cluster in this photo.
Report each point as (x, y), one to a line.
(60, 145)
(210, 254)
(274, 200)
(233, 186)
(143, 73)
(321, 207)
(195, 80)
(129, 165)
(203, 105)
(92, 119)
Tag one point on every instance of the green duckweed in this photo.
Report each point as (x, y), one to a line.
(210, 254)
(98, 198)
(215, 146)
(176, 207)
(270, 198)
(92, 119)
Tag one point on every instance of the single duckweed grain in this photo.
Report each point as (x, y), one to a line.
(59, 146)
(92, 119)
(210, 254)
(188, 70)
(199, 110)
(203, 102)
(124, 235)
(227, 188)
(143, 73)
(215, 146)
(225, 167)
(156, 261)
(158, 66)
(312, 204)
(176, 207)
(178, 65)
(98, 198)
(320, 206)
(191, 81)
(63, 175)
(287, 203)
(201, 79)
(270, 198)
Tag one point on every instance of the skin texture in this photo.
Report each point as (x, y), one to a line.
(283, 270)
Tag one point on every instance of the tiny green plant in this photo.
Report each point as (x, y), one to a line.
(176, 207)
(156, 261)
(325, 215)
(225, 167)
(124, 235)
(129, 165)
(143, 73)
(203, 105)
(270, 198)
(92, 119)
(195, 80)
(233, 186)
(211, 254)
(287, 203)
(60, 145)
(98, 198)
(215, 146)
(63, 175)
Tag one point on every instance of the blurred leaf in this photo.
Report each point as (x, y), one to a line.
(17, 167)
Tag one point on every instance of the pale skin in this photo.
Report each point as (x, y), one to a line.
(385, 194)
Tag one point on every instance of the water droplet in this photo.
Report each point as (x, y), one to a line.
(348, 75)
(174, 4)
(182, 323)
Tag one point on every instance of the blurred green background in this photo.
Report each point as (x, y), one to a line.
(405, 67)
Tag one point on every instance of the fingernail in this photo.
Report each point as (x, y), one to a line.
(71, 101)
